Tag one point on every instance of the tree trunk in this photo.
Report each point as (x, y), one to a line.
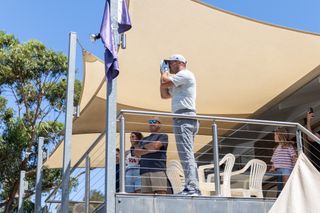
(14, 191)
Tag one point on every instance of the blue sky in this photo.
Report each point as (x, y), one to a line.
(51, 21)
(298, 14)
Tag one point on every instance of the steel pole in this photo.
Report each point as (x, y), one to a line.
(37, 208)
(299, 141)
(110, 158)
(87, 186)
(68, 122)
(111, 126)
(21, 191)
(122, 154)
(215, 147)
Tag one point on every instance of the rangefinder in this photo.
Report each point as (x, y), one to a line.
(164, 66)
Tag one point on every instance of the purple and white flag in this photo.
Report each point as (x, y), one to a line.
(123, 17)
(107, 36)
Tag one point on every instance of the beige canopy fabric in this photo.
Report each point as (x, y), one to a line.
(242, 66)
(302, 191)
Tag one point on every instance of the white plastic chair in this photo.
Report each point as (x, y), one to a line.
(253, 186)
(207, 186)
(175, 175)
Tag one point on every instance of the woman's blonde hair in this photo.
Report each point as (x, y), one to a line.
(283, 136)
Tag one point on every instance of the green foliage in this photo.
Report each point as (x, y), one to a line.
(33, 77)
(96, 195)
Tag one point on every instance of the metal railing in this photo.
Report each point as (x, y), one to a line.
(261, 133)
(246, 139)
(85, 180)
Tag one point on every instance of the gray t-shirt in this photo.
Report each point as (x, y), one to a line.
(184, 91)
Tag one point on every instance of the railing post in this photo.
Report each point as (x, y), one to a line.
(87, 186)
(122, 155)
(21, 191)
(215, 147)
(299, 140)
(68, 123)
(37, 208)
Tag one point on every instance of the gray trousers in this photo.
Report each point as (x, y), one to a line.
(185, 131)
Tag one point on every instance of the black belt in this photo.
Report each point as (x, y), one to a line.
(181, 111)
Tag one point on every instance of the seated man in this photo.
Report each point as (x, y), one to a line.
(153, 154)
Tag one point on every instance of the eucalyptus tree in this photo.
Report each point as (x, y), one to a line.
(32, 102)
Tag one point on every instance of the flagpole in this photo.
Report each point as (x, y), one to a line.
(112, 24)
(111, 111)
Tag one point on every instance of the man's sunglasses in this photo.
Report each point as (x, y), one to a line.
(153, 121)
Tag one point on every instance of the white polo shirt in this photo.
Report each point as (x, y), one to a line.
(183, 92)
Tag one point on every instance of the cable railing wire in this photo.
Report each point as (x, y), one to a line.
(226, 136)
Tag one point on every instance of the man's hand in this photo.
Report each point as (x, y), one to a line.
(165, 80)
(138, 152)
(309, 119)
(309, 116)
(164, 76)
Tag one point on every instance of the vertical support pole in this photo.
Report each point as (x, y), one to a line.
(21, 191)
(37, 208)
(299, 141)
(215, 147)
(110, 159)
(122, 154)
(87, 186)
(68, 122)
(111, 109)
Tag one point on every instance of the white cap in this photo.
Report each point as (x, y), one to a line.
(177, 57)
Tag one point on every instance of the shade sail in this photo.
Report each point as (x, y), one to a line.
(242, 66)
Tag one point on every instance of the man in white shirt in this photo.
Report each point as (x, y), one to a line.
(180, 85)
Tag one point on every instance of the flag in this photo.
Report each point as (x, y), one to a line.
(123, 17)
(107, 37)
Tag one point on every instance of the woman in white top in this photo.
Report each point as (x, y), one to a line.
(133, 179)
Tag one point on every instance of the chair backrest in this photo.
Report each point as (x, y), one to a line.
(228, 160)
(175, 175)
(257, 171)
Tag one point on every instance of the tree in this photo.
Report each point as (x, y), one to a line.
(96, 195)
(33, 81)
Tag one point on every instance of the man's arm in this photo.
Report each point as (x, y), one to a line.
(154, 146)
(309, 118)
(149, 148)
(165, 84)
(164, 93)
